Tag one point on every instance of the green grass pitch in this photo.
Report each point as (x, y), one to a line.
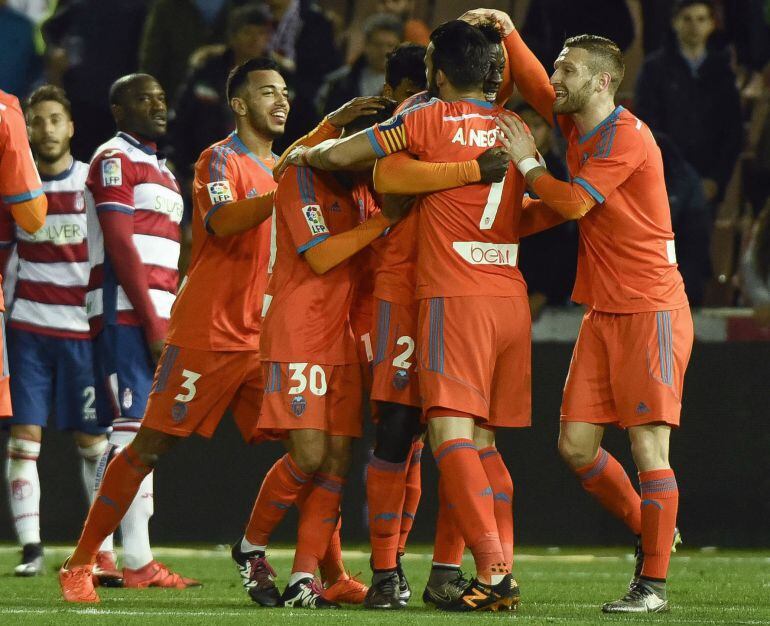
(558, 586)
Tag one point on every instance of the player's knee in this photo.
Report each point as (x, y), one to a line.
(308, 458)
(648, 455)
(149, 445)
(575, 453)
(27, 432)
(338, 456)
(397, 427)
(92, 449)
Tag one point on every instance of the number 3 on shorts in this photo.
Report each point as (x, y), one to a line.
(316, 375)
(190, 378)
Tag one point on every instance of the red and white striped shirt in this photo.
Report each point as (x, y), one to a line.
(49, 297)
(128, 177)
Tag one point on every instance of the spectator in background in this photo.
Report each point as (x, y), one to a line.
(90, 44)
(20, 63)
(203, 114)
(548, 259)
(687, 91)
(382, 32)
(415, 30)
(549, 22)
(690, 219)
(755, 268)
(173, 31)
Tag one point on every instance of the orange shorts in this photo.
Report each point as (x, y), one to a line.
(193, 388)
(628, 369)
(475, 357)
(310, 396)
(395, 363)
(5, 381)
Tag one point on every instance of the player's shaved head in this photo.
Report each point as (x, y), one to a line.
(461, 52)
(604, 55)
(121, 88)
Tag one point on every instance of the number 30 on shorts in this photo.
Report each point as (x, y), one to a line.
(315, 379)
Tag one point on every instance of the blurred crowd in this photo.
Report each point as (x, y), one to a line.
(702, 85)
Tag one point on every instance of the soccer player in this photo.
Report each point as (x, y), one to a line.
(133, 208)
(21, 191)
(210, 361)
(636, 337)
(49, 347)
(473, 339)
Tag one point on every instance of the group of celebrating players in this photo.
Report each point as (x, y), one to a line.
(377, 257)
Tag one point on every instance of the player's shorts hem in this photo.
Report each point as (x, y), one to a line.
(177, 432)
(623, 423)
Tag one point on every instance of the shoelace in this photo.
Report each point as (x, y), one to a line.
(261, 571)
(637, 592)
(390, 585)
(315, 587)
(460, 582)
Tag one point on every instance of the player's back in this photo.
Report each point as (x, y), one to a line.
(307, 314)
(626, 257)
(468, 241)
(219, 303)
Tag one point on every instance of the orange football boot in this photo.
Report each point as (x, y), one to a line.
(347, 590)
(106, 572)
(155, 574)
(77, 584)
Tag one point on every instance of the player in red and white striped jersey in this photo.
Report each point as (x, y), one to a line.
(49, 347)
(134, 209)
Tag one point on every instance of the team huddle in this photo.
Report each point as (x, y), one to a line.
(378, 257)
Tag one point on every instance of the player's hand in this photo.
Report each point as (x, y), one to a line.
(295, 157)
(363, 105)
(479, 16)
(395, 207)
(156, 348)
(493, 164)
(516, 138)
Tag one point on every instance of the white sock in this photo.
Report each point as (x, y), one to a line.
(297, 576)
(247, 546)
(90, 458)
(134, 532)
(24, 488)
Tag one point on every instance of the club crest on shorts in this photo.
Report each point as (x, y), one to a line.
(400, 379)
(179, 411)
(298, 405)
(21, 489)
(128, 398)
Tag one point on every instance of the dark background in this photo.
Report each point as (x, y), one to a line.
(204, 489)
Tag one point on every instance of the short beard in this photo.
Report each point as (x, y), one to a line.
(575, 102)
(51, 158)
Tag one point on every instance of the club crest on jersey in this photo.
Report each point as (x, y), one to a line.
(128, 398)
(400, 379)
(179, 411)
(112, 173)
(219, 191)
(298, 405)
(315, 219)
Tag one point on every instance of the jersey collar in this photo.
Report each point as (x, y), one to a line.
(240, 148)
(478, 102)
(60, 175)
(148, 147)
(605, 122)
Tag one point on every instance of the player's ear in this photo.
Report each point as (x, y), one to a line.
(387, 91)
(238, 106)
(70, 129)
(117, 113)
(605, 79)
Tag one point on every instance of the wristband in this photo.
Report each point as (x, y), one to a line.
(527, 164)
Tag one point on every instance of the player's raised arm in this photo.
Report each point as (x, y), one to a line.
(570, 200)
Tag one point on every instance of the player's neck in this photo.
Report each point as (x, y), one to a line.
(260, 145)
(50, 169)
(451, 94)
(592, 116)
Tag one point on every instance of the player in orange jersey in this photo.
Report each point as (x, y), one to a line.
(210, 361)
(467, 283)
(636, 337)
(21, 189)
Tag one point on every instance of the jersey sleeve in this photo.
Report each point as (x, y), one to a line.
(406, 130)
(216, 182)
(19, 180)
(616, 157)
(7, 230)
(110, 181)
(302, 208)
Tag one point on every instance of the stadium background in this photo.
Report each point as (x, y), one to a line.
(205, 489)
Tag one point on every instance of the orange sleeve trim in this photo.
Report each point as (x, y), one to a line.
(30, 214)
(569, 200)
(325, 130)
(233, 218)
(401, 173)
(529, 75)
(331, 251)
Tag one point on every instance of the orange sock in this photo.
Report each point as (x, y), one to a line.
(660, 501)
(502, 486)
(121, 481)
(449, 545)
(317, 520)
(331, 566)
(385, 485)
(412, 494)
(278, 493)
(467, 490)
(607, 481)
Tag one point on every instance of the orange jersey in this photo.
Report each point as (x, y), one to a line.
(219, 304)
(626, 256)
(468, 240)
(307, 317)
(19, 180)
